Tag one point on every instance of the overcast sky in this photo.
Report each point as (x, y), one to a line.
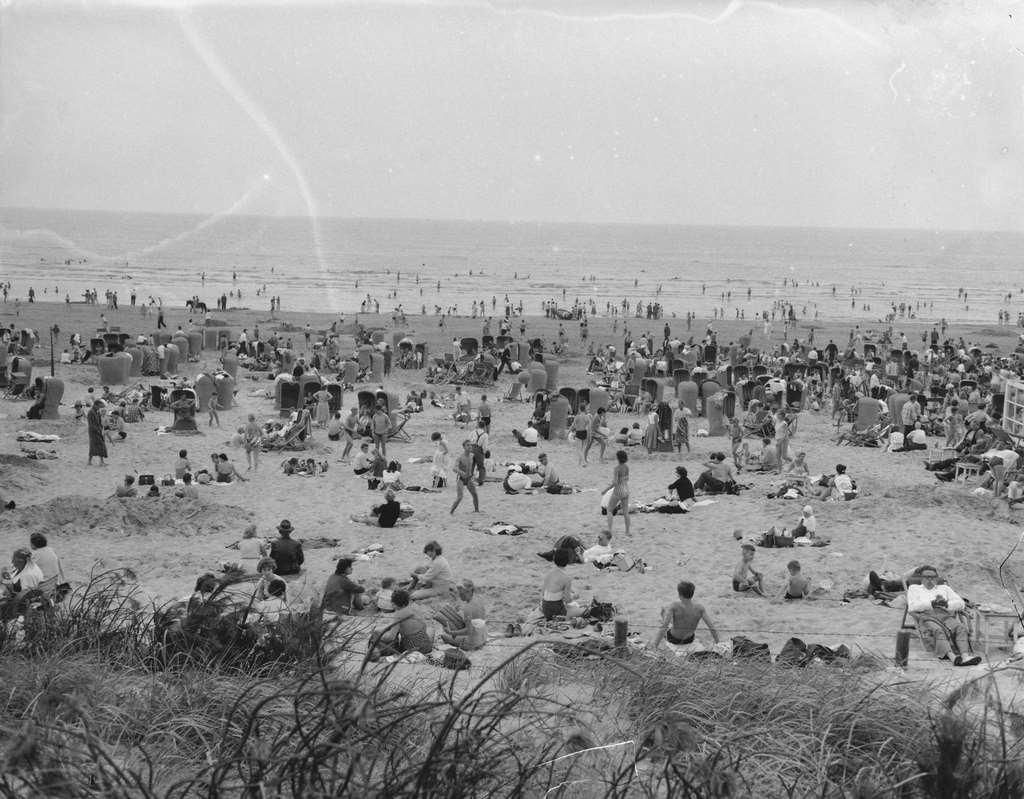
(851, 114)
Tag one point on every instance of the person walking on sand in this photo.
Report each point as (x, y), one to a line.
(464, 477)
(97, 444)
(212, 408)
(252, 437)
(620, 490)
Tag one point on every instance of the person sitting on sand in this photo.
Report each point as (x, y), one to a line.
(768, 459)
(682, 488)
(807, 527)
(267, 571)
(915, 438)
(127, 489)
(472, 633)
(434, 579)
(744, 576)
(46, 559)
(841, 486)
(363, 462)
(342, 595)
(182, 464)
(251, 550)
(557, 595)
(796, 473)
(529, 437)
(550, 480)
(386, 514)
(274, 608)
(225, 470)
(719, 476)
(516, 480)
(114, 427)
(797, 586)
(936, 608)
(23, 576)
(286, 553)
(406, 633)
(680, 619)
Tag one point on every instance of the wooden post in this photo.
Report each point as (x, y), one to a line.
(902, 647)
(621, 632)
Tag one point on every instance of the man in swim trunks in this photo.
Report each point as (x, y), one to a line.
(680, 619)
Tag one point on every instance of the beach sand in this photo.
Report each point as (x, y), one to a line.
(903, 518)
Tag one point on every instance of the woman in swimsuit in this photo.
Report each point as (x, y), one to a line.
(580, 428)
(620, 490)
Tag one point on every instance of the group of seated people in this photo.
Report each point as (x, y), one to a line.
(35, 571)
(534, 475)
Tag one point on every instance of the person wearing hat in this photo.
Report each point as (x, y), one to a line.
(808, 525)
(936, 609)
(285, 552)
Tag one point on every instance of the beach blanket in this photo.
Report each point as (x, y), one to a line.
(319, 543)
(40, 454)
(504, 528)
(38, 438)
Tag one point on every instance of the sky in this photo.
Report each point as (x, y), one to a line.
(847, 113)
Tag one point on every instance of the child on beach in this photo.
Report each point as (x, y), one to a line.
(744, 577)
(797, 586)
(736, 435)
(212, 408)
(383, 598)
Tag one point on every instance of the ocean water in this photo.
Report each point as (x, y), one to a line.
(333, 264)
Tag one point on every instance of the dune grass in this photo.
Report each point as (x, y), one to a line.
(105, 698)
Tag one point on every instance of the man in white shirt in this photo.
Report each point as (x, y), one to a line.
(550, 479)
(529, 436)
(935, 607)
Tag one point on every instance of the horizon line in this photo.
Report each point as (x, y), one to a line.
(490, 221)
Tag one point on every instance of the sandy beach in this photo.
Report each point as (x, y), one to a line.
(902, 518)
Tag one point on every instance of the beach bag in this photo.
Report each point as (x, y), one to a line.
(794, 653)
(456, 659)
(146, 479)
(600, 611)
(745, 649)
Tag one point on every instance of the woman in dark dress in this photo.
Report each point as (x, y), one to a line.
(97, 446)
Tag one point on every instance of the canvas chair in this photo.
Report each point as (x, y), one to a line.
(514, 392)
(397, 430)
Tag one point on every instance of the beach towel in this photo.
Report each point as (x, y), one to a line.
(39, 438)
(505, 528)
(40, 454)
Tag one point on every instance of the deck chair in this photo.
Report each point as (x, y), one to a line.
(514, 392)
(936, 637)
(292, 441)
(397, 430)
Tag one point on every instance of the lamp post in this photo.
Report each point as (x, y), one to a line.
(54, 331)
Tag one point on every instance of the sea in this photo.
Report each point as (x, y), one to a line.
(339, 265)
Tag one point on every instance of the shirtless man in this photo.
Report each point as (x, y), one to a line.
(719, 477)
(680, 619)
(464, 477)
